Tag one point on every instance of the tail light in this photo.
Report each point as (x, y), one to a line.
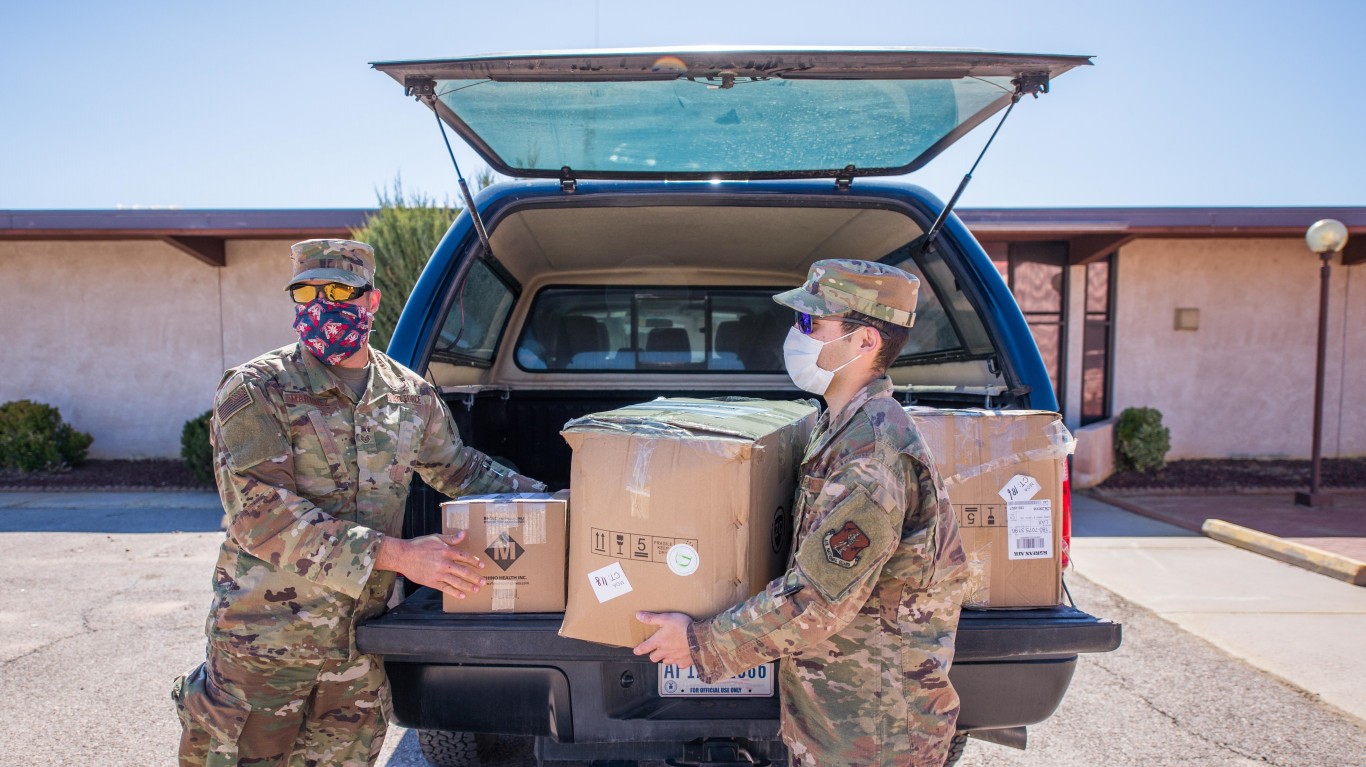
(1066, 511)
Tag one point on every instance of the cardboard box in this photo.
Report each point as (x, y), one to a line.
(521, 538)
(1003, 470)
(679, 505)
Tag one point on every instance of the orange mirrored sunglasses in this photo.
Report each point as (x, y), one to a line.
(336, 292)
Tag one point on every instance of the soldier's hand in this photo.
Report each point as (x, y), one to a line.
(433, 560)
(669, 643)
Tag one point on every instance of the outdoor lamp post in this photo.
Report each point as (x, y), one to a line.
(1325, 238)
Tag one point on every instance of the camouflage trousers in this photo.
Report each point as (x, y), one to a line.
(241, 709)
(881, 697)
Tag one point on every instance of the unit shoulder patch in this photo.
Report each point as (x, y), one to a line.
(843, 546)
(850, 543)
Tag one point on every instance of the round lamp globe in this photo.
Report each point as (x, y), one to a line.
(1326, 236)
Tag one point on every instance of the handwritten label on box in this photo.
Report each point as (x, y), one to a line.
(1020, 488)
(609, 582)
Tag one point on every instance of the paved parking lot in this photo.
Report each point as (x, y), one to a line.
(103, 599)
(101, 606)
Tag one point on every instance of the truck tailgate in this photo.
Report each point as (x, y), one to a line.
(417, 631)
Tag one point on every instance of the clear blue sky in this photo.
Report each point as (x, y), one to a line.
(256, 104)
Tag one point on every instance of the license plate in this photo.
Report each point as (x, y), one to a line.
(675, 682)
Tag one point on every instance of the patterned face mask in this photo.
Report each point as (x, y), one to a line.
(332, 331)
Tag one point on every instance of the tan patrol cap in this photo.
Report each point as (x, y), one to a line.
(837, 286)
(344, 261)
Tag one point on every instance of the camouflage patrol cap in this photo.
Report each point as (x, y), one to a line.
(837, 286)
(345, 261)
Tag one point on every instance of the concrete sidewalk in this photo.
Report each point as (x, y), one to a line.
(1303, 627)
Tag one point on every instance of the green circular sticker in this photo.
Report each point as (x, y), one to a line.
(682, 559)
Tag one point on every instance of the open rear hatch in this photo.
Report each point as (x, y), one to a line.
(708, 113)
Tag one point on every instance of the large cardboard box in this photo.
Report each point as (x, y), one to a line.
(1003, 470)
(521, 538)
(680, 505)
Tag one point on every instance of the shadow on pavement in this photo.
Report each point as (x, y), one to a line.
(1092, 518)
(110, 516)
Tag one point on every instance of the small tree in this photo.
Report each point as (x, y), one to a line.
(1141, 441)
(404, 232)
(33, 437)
(195, 450)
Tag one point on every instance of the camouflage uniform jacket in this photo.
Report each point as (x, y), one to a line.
(311, 480)
(864, 619)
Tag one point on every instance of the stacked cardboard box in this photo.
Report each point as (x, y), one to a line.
(521, 539)
(679, 505)
(1004, 472)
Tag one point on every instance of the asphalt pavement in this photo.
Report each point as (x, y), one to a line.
(102, 603)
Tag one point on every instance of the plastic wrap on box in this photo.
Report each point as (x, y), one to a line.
(1003, 471)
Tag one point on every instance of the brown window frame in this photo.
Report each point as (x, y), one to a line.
(1049, 253)
(1105, 318)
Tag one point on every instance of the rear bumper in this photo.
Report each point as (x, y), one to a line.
(514, 674)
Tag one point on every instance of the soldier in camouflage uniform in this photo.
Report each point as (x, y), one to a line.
(864, 619)
(315, 445)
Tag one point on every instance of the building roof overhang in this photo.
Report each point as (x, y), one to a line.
(1094, 233)
(1091, 233)
(199, 233)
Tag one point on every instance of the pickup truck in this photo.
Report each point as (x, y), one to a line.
(659, 200)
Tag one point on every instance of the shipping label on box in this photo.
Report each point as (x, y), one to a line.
(1003, 471)
(521, 538)
(680, 505)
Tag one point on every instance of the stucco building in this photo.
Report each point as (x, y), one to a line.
(125, 320)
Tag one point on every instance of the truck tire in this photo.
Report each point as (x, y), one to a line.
(505, 750)
(956, 748)
(443, 748)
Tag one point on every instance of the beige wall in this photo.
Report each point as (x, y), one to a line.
(130, 338)
(1242, 384)
(132, 355)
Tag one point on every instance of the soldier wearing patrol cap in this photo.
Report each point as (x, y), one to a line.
(863, 621)
(315, 446)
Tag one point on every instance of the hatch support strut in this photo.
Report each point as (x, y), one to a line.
(1032, 84)
(424, 89)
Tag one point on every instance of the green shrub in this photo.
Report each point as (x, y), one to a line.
(33, 437)
(404, 232)
(195, 450)
(1141, 441)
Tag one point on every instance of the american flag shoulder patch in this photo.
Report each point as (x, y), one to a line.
(233, 404)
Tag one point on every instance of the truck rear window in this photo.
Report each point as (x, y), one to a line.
(714, 329)
(612, 328)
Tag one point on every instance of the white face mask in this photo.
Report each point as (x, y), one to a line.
(800, 353)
